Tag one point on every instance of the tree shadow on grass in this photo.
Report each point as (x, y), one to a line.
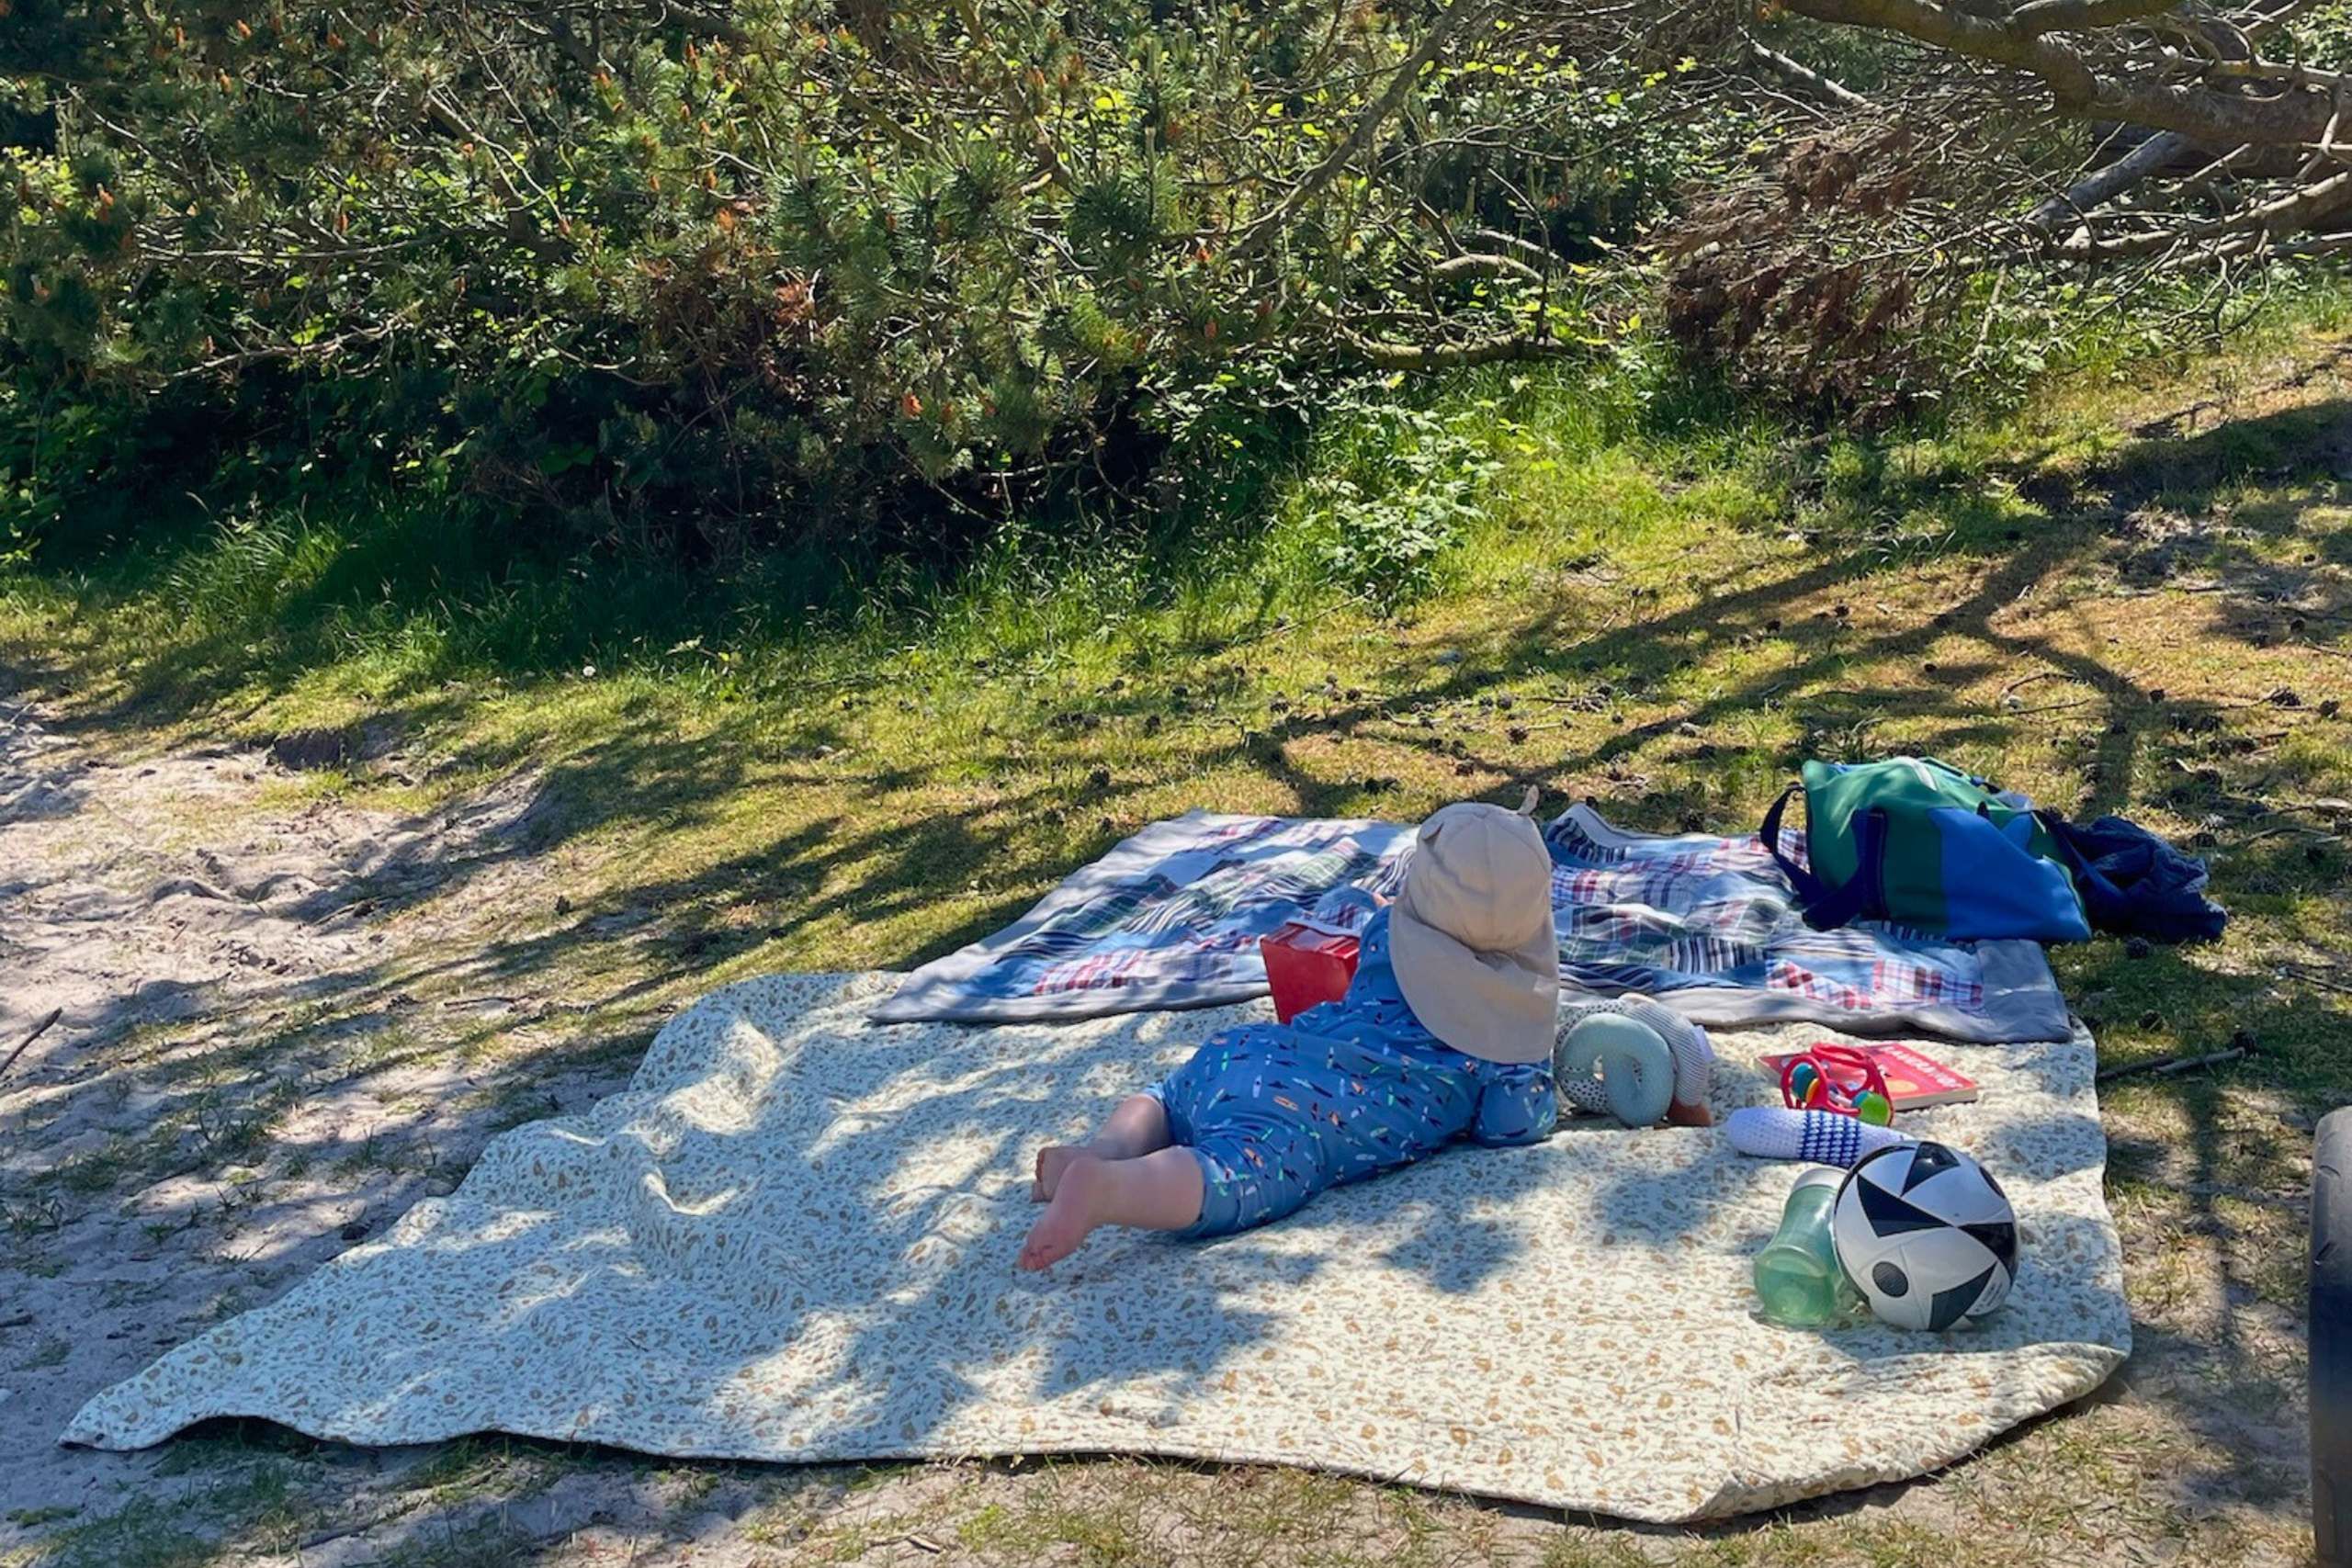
(859, 864)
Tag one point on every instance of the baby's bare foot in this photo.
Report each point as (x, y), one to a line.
(1052, 1160)
(1074, 1211)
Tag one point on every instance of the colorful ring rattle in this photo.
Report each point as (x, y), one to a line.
(1839, 1080)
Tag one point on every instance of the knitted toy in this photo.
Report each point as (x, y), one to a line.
(1822, 1138)
(1630, 1058)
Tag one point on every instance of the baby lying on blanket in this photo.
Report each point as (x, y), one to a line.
(1445, 1033)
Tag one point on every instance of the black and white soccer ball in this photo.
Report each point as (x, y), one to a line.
(1926, 1235)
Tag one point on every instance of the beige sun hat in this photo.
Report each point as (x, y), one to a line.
(1471, 934)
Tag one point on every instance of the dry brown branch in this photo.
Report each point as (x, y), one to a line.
(27, 1043)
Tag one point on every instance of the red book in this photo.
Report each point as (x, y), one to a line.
(1915, 1081)
(1306, 967)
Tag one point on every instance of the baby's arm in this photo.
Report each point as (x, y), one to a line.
(1516, 1105)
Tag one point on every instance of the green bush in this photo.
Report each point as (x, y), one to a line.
(853, 279)
(1388, 507)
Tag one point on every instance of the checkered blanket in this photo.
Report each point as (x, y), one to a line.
(1171, 919)
(1710, 927)
(1168, 918)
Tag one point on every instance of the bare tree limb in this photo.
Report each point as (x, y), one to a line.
(2102, 186)
(2133, 87)
(703, 22)
(1452, 355)
(1541, 257)
(2288, 213)
(1479, 266)
(2037, 16)
(1375, 114)
(1801, 75)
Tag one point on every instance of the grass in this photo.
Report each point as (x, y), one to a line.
(142, 1535)
(2132, 595)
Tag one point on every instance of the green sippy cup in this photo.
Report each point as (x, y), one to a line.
(1798, 1281)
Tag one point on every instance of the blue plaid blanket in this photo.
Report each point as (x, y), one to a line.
(1708, 925)
(1168, 918)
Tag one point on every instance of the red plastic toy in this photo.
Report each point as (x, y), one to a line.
(1305, 968)
(1829, 1076)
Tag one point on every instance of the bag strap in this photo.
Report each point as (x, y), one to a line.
(2077, 864)
(1810, 888)
(1860, 893)
(1826, 908)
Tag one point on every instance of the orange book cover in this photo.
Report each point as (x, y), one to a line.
(1915, 1081)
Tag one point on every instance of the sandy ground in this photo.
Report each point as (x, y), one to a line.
(256, 1063)
(184, 917)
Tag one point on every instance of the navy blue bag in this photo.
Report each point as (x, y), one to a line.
(2132, 883)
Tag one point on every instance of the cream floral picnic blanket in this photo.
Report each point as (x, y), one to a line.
(792, 1238)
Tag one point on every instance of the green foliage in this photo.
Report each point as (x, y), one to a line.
(861, 280)
(816, 301)
(1392, 495)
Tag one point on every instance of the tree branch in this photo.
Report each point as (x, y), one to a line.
(1799, 74)
(1376, 113)
(2102, 186)
(2246, 231)
(2038, 17)
(1386, 356)
(1479, 266)
(2134, 91)
(705, 24)
(1541, 257)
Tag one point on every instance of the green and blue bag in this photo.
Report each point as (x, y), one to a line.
(1918, 842)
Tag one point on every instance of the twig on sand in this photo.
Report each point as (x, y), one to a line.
(27, 1043)
(312, 1542)
(2169, 1065)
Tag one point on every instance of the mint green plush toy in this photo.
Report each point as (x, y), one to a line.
(1630, 1058)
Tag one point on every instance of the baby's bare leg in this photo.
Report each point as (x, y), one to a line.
(1160, 1191)
(1139, 1127)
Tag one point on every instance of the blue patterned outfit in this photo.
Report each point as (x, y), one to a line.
(1277, 1113)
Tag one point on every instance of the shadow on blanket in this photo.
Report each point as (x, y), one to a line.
(793, 1236)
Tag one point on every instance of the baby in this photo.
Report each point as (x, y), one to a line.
(1446, 1032)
